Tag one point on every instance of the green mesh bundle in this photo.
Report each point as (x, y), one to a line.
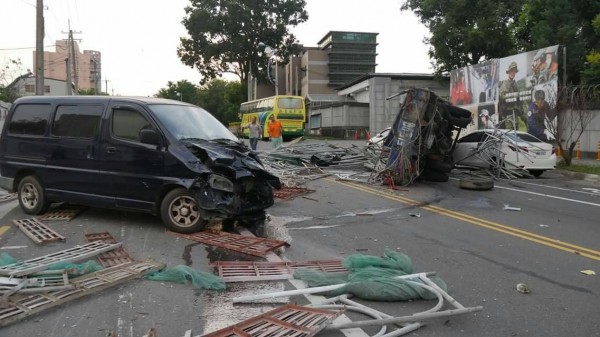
(6, 259)
(391, 259)
(76, 269)
(372, 278)
(184, 274)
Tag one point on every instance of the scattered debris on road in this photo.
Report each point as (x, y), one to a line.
(511, 208)
(288, 320)
(588, 272)
(523, 288)
(37, 231)
(113, 257)
(240, 243)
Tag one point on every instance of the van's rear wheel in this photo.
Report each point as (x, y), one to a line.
(31, 196)
(180, 212)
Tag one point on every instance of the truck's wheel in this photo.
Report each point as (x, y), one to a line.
(180, 212)
(478, 184)
(31, 196)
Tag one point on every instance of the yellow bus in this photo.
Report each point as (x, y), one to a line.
(290, 110)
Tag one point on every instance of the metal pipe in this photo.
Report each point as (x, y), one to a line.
(313, 290)
(404, 319)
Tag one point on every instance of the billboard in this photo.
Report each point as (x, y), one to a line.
(516, 91)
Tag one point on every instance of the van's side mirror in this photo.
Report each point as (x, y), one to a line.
(149, 136)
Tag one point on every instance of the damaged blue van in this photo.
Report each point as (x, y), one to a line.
(161, 156)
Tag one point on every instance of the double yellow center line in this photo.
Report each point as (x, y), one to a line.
(544, 240)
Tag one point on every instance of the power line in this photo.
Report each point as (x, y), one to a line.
(21, 48)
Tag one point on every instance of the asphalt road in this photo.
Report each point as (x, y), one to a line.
(481, 251)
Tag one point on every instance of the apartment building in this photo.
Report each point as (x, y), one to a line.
(88, 65)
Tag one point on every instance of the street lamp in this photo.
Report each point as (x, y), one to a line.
(270, 51)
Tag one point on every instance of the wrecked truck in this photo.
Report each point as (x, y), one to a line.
(165, 157)
(422, 137)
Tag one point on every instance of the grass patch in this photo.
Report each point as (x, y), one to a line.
(579, 168)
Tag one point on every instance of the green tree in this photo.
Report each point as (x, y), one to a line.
(10, 72)
(183, 90)
(465, 32)
(569, 23)
(90, 92)
(591, 71)
(222, 99)
(224, 35)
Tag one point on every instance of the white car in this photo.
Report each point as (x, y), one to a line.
(379, 138)
(520, 150)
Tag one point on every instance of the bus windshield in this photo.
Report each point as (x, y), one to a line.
(289, 103)
(190, 122)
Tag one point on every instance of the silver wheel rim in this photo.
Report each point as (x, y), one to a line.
(29, 196)
(183, 211)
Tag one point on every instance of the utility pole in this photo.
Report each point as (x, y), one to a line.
(69, 83)
(72, 63)
(39, 48)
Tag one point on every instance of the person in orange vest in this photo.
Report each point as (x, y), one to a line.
(275, 129)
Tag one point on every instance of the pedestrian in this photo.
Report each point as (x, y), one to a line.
(254, 132)
(275, 129)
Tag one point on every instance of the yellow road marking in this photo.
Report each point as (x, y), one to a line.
(3, 229)
(544, 240)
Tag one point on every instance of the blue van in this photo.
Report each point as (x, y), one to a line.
(165, 157)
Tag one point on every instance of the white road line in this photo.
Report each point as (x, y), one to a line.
(549, 196)
(561, 188)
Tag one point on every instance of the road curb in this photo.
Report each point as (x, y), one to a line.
(580, 175)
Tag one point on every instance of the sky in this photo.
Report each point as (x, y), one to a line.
(138, 39)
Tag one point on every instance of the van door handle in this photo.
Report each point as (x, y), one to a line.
(111, 149)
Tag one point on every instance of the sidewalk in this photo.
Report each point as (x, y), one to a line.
(580, 175)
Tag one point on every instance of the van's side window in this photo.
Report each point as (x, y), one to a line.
(77, 121)
(29, 119)
(128, 123)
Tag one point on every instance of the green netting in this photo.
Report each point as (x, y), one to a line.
(372, 278)
(6, 259)
(76, 269)
(391, 259)
(184, 274)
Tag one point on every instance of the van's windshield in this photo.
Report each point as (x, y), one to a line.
(190, 122)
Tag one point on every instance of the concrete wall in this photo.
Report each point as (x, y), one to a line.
(591, 136)
(315, 79)
(342, 121)
(383, 112)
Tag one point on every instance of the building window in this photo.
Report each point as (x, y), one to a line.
(29, 88)
(47, 89)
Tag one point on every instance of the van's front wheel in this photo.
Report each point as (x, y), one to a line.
(180, 212)
(31, 196)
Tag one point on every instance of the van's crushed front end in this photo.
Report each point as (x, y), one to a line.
(235, 185)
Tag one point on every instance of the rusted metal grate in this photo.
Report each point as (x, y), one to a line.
(291, 192)
(239, 243)
(69, 255)
(8, 197)
(289, 320)
(238, 271)
(38, 231)
(88, 284)
(113, 257)
(61, 214)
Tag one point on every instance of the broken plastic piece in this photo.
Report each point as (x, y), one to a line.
(415, 215)
(510, 208)
(588, 272)
(523, 288)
